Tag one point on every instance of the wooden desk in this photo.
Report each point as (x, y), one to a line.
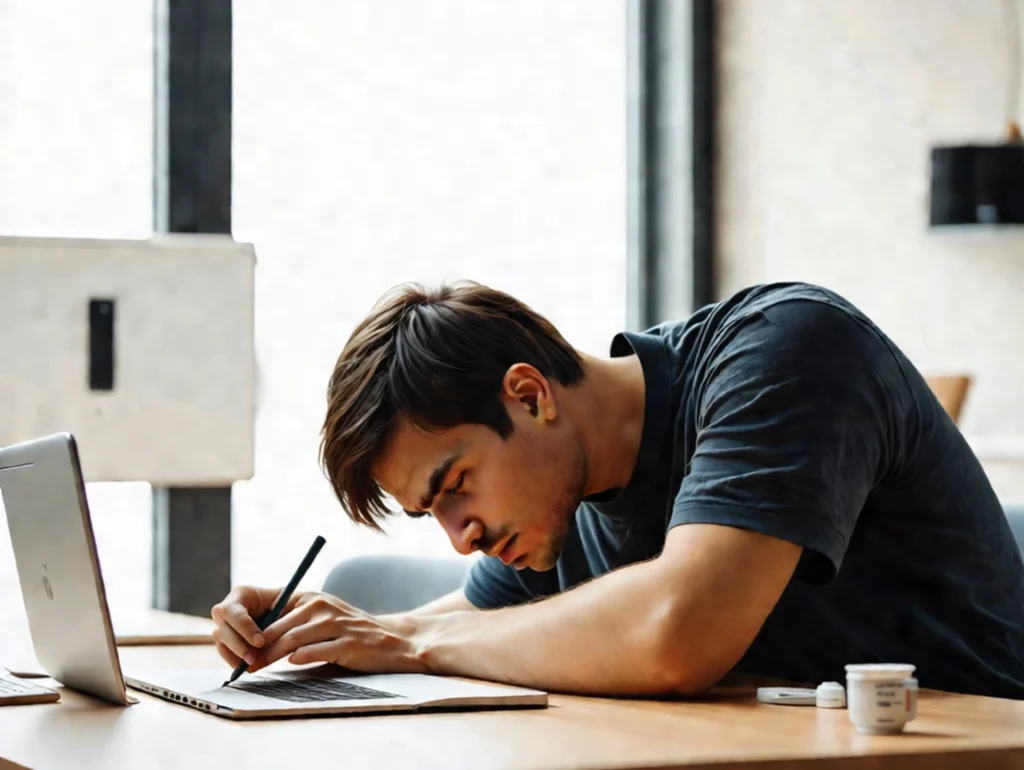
(588, 734)
(142, 627)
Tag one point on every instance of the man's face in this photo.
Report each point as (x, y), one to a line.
(514, 498)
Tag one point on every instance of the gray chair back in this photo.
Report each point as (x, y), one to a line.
(383, 583)
(1015, 515)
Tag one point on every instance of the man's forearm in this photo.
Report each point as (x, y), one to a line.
(451, 602)
(455, 601)
(605, 636)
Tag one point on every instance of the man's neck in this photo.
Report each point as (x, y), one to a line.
(608, 412)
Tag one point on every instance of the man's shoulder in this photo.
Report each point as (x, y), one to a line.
(733, 313)
(804, 337)
(769, 318)
(778, 299)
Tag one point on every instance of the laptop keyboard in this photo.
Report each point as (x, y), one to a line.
(18, 688)
(307, 690)
(11, 687)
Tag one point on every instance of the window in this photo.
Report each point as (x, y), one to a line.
(378, 142)
(76, 82)
(375, 141)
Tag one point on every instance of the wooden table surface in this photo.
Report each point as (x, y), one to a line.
(722, 731)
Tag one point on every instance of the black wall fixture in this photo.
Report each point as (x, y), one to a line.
(974, 184)
(978, 184)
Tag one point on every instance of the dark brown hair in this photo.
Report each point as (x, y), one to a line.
(438, 358)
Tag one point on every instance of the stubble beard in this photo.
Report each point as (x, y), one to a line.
(565, 519)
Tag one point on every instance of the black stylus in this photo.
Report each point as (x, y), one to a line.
(272, 614)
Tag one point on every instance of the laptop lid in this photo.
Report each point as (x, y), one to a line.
(43, 493)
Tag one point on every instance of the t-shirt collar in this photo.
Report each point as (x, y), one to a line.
(650, 350)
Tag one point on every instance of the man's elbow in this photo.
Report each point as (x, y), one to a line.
(679, 677)
(683, 662)
(695, 682)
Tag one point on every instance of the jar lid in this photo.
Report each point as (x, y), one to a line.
(830, 695)
(878, 671)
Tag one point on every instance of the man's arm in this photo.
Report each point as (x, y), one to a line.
(455, 601)
(676, 623)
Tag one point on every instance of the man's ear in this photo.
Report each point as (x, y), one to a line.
(523, 387)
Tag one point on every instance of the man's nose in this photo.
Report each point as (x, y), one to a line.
(464, 533)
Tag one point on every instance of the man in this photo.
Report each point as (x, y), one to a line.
(769, 487)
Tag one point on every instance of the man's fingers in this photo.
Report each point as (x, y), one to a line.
(238, 618)
(321, 652)
(300, 636)
(237, 634)
(296, 617)
(240, 608)
(229, 657)
(228, 637)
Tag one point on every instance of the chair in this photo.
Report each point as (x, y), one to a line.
(951, 390)
(385, 583)
(1015, 516)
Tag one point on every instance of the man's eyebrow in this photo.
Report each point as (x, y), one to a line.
(437, 477)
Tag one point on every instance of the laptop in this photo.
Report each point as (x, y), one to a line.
(43, 492)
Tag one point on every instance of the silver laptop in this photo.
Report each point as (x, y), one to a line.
(43, 492)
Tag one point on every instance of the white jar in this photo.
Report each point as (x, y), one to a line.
(910, 683)
(878, 698)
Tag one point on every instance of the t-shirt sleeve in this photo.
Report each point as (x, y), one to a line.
(791, 409)
(491, 585)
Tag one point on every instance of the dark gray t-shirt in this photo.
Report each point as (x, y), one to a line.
(786, 411)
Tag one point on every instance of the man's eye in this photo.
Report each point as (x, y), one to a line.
(457, 486)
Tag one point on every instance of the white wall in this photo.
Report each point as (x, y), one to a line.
(375, 141)
(828, 111)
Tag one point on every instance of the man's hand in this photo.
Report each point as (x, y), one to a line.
(236, 634)
(314, 628)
